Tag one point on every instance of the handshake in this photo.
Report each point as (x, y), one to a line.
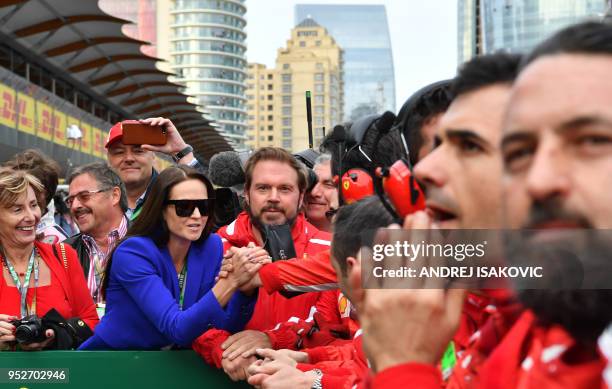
(241, 264)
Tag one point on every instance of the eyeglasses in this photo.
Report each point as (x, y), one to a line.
(84, 196)
(185, 208)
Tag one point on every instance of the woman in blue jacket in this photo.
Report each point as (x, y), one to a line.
(159, 282)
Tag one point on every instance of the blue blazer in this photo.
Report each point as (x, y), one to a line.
(142, 298)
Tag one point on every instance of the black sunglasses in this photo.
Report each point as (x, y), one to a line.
(185, 208)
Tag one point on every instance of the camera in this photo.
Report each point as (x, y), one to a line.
(29, 330)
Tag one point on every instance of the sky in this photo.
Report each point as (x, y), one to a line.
(423, 37)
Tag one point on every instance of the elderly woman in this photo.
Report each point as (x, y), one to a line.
(160, 282)
(37, 279)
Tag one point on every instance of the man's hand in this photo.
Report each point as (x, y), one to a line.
(270, 376)
(244, 344)
(245, 263)
(284, 356)
(397, 323)
(174, 143)
(237, 369)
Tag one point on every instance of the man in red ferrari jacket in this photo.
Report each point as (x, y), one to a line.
(557, 149)
(274, 194)
(406, 332)
(336, 366)
(557, 143)
(416, 120)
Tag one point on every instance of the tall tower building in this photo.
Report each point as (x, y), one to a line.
(260, 106)
(311, 61)
(362, 32)
(517, 25)
(206, 49)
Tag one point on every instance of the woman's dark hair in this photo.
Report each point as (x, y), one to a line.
(151, 223)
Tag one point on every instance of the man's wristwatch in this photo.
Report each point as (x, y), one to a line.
(178, 156)
(317, 382)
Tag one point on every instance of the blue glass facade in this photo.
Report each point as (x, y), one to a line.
(485, 26)
(362, 32)
(520, 25)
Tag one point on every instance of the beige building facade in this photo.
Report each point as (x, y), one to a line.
(276, 98)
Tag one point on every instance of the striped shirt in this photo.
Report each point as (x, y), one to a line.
(98, 258)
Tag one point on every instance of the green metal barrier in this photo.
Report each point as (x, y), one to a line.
(115, 370)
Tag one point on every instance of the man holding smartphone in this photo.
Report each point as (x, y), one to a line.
(134, 162)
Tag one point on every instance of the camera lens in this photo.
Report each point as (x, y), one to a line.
(27, 333)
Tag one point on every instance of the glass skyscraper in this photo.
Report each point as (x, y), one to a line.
(485, 26)
(362, 32)
(207, 51)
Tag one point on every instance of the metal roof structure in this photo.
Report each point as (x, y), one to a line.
(88, 46)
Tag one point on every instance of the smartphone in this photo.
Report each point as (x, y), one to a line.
(136, 133)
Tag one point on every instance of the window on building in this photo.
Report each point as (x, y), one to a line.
(270, 117)
(286, 121)
(319, 121)
(286, 88)
(287, 100)
(319, 110)
(269, 76)
(270, 128)
(318, 76)
(287, 143)
(302, 43)
(269, 108)
(286, 77)
(270, 138)
(319, 88)
(270, 97)
(250, 107)
(286, 132)
(251, 117)
(286, 111)
(262, 138)
(318, 43)
(285, 66)
(319, 99)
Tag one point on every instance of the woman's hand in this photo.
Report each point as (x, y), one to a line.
(246, 262)
(7, 330)
(255, 255)
(50, 334)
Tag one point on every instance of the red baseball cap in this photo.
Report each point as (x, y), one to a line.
(115, 134)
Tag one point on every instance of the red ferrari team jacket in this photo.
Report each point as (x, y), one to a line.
(532, 356)
(309, 274)
(486, 319)
(271, 309)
